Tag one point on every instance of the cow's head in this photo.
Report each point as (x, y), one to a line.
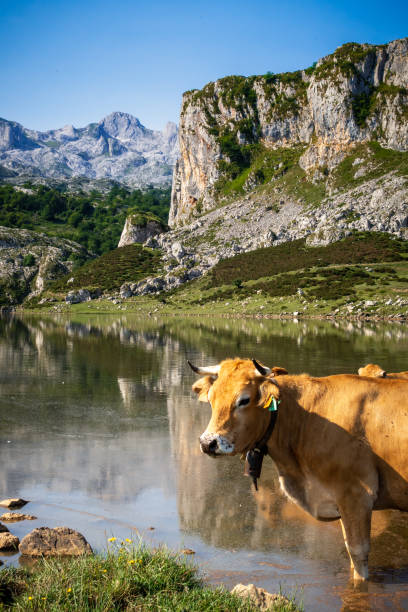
(238, 390)
(373, 371)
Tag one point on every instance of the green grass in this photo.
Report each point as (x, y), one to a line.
(128, 578)
(109, 271)
(377, 161)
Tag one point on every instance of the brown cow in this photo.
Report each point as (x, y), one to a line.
(375, 371)
(340, 443)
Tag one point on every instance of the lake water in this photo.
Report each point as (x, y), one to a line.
(99, 430)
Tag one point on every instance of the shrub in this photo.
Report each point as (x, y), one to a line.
(29, 260)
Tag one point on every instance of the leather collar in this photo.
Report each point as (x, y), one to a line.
(254, 457)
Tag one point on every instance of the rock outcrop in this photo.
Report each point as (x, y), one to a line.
(139, 228)
(28, 260)
(60, 541)
(118, 148)
(315, 116)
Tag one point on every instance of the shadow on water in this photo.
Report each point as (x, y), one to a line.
(99, 429)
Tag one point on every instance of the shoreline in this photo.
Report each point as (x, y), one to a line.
(400, 318)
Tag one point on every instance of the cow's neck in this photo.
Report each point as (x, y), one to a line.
(299, 485)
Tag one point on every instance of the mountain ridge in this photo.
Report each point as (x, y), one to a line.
(118, 148)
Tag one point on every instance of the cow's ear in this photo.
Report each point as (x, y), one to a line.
(384, 374)
(267, 389)
(277, 371)
(202, 387)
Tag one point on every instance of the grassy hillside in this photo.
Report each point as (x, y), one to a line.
(364, 274)
(94, 220)
(365, 247)
(109, 271)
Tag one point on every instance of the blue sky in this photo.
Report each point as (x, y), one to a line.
(70, 61)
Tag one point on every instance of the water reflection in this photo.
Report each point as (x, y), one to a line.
(97, 418)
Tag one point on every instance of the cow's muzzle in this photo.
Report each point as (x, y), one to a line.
(215, 445)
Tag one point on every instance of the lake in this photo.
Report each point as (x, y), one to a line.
(99, 430)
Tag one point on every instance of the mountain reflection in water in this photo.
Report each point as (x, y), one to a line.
(98, 427)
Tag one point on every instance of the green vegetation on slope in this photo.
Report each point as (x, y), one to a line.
(363, 247)
(126, 579)
(94, 220)
(377, 161)
(109, 271)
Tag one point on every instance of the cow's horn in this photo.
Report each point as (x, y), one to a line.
(209, 371)
(261, 369)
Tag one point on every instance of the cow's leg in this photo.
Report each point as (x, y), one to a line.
(356, 525)
(346, 544)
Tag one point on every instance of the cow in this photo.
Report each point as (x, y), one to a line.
(340, 443)
(375, 371)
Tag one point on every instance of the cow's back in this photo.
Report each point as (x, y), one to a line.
(359, 424)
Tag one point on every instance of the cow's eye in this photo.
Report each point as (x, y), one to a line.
(244, 401)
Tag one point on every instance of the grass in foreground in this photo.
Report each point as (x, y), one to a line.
(128, 578)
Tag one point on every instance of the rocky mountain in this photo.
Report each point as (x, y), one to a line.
(118, 148)
(334, 134)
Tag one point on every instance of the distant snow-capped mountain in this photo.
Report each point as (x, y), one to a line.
(118, 148)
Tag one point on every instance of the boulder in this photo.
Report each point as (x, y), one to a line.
(76, 297)
(60, 541)
(125, 291)
(8, 541)
(148, 285)
(259, 597)
(3, 528)
(178, 251)
(13, 517)
(13, 502)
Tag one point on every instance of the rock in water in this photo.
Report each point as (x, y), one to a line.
(60, 541)
(259, 597)
(13, 502)
(3, 528)
(8, 541)
(13, 517)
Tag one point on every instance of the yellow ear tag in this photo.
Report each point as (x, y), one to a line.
(271, 404)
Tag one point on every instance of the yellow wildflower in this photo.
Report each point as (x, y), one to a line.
(69, 590)
(132, 561)
(128, 540)
(112, 540)
(30, 598)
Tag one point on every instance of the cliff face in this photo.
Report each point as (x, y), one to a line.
(239, 133)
